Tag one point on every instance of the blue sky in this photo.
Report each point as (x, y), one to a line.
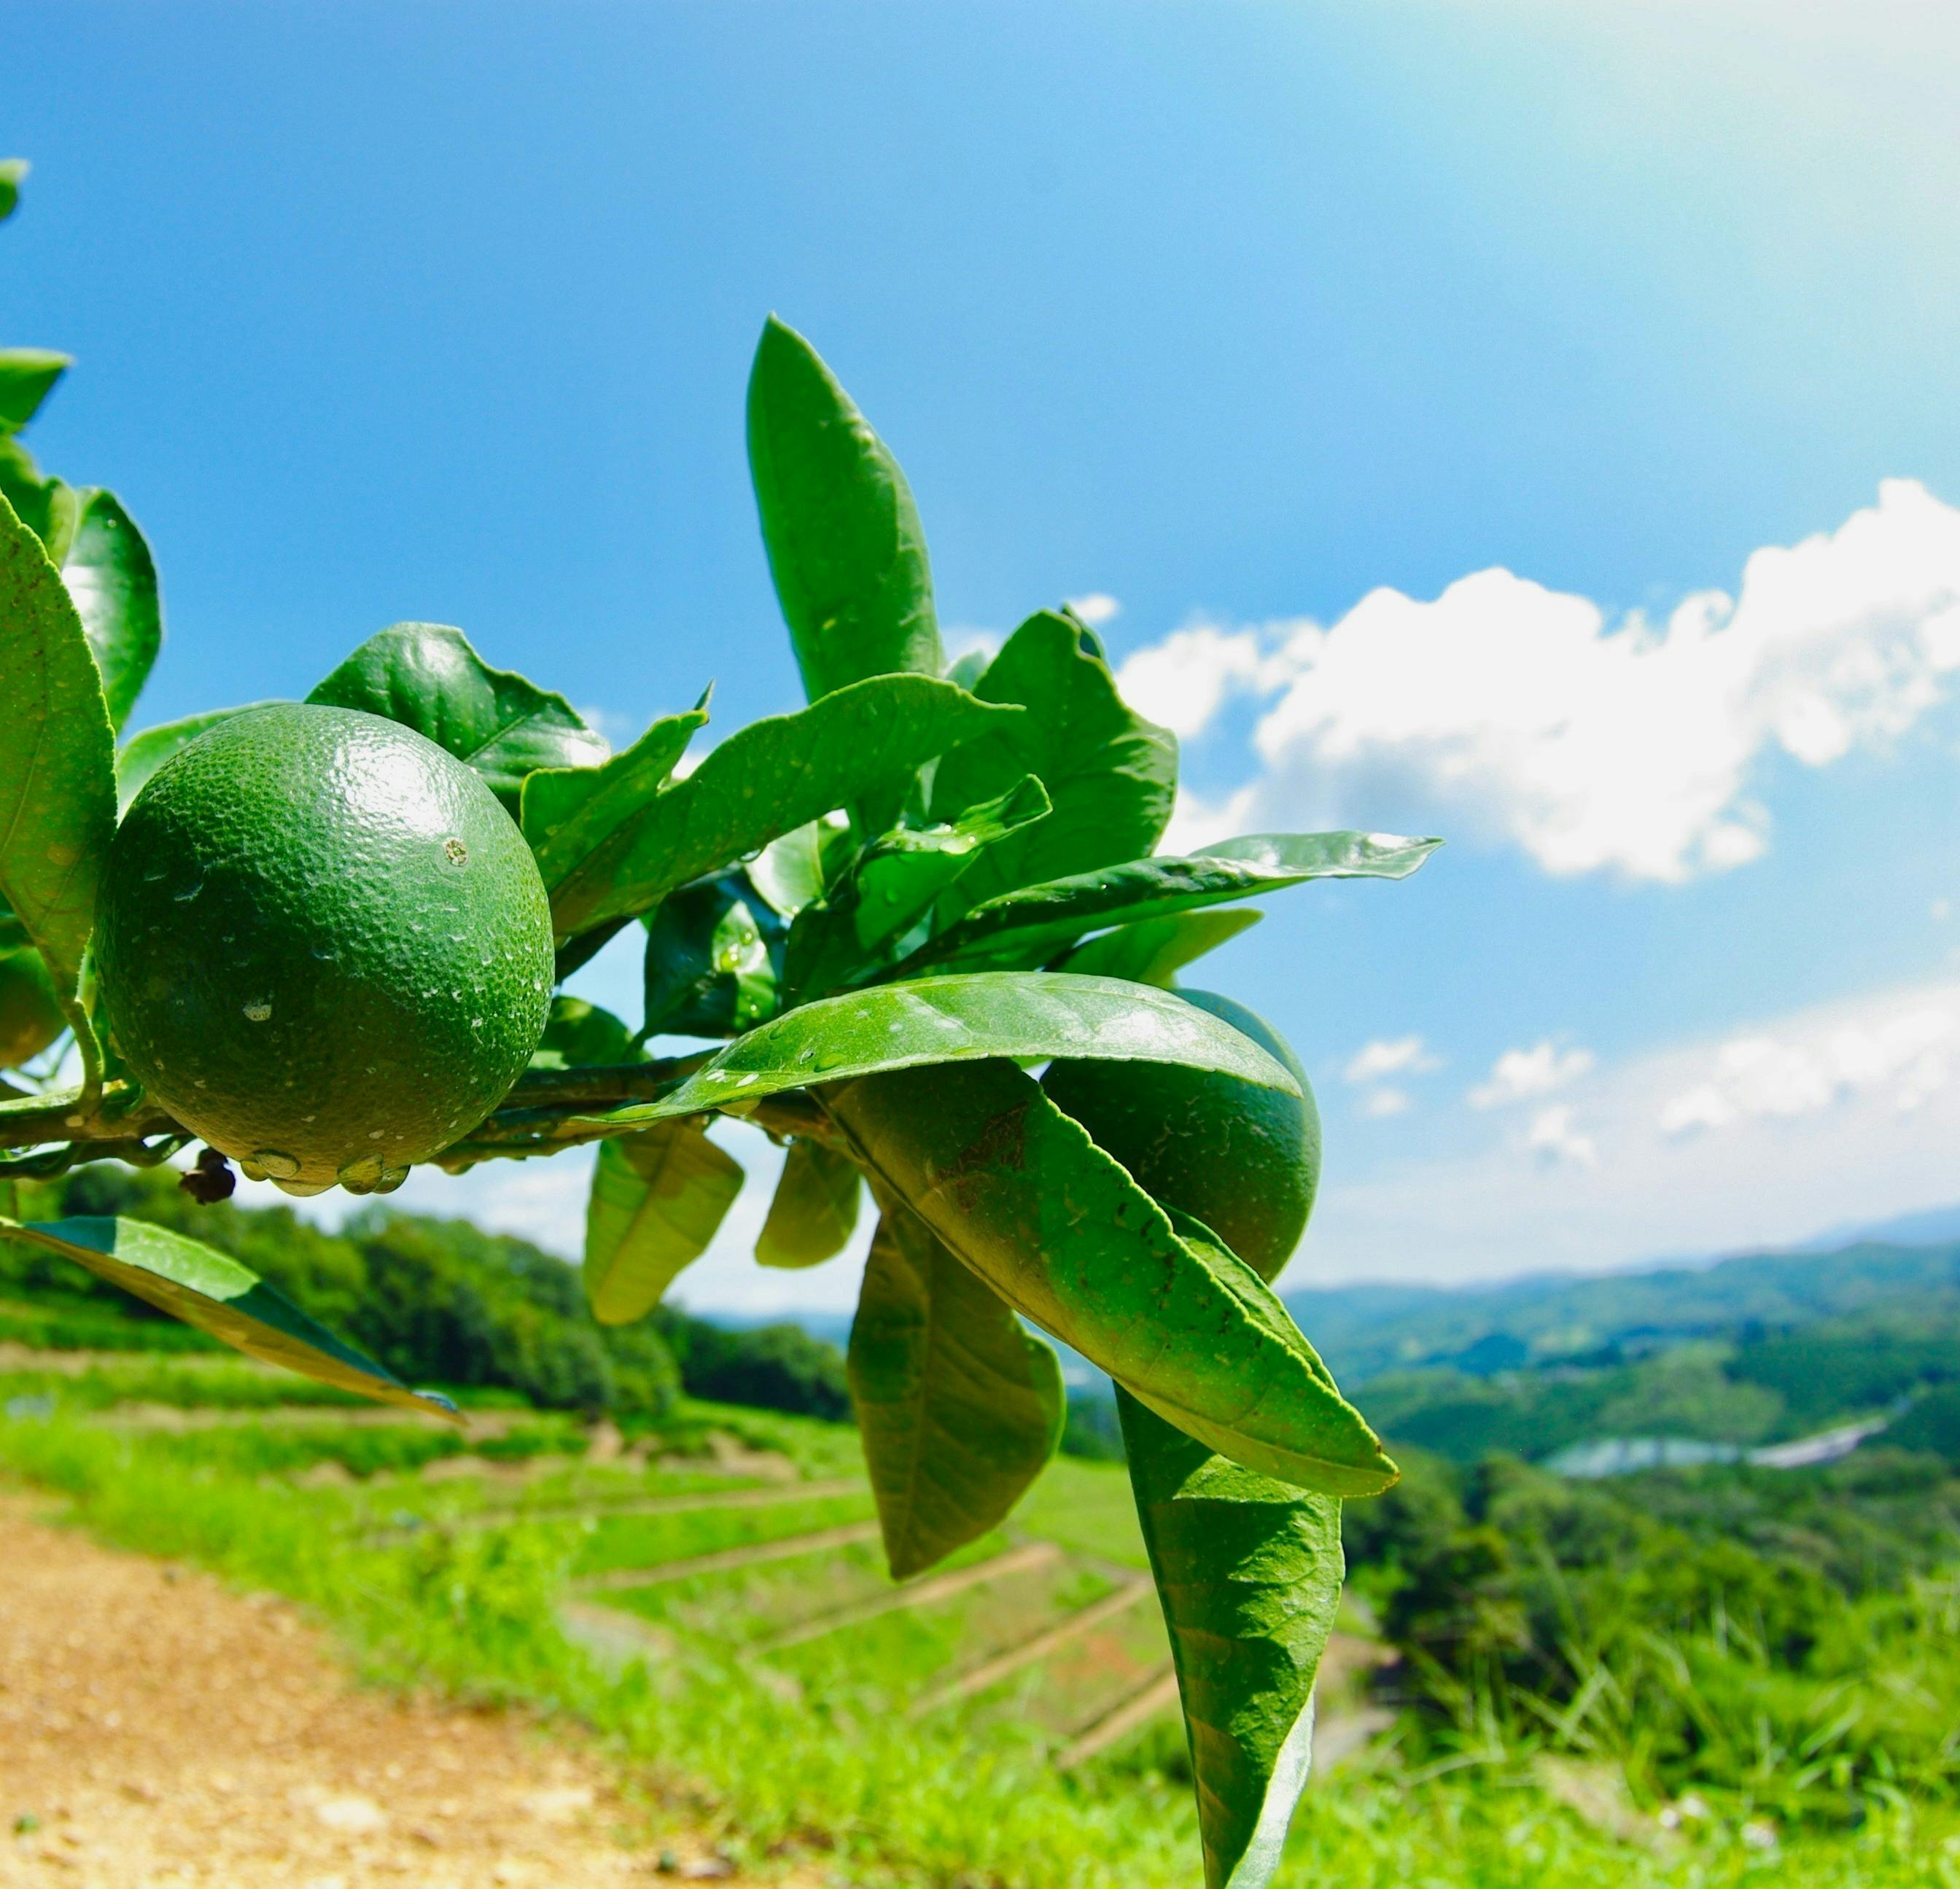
(1232, 315)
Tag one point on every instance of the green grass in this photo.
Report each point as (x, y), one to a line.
(964, 1799)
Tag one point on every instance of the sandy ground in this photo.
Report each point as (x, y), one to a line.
(158, 1731)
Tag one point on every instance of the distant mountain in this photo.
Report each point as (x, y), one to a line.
(1362, 1331)
(1933, 1226)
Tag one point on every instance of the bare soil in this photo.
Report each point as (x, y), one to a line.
(159, 1731)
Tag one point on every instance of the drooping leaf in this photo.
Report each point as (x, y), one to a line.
(570, 814)
(426, 676)
(1031, 924)
(1020, 1192)
(583, 1035)
(814, 1211)
(1111, 775)
(13, 171)
(713, 959)
(1248, 1571)
(207, 1289)
(657, 1199)
(142, 755)
(961, 1019)
(28, 377)
(774, 776)
(57, 764)
(789, 873)
(1153, 950)
(959, 1406)
(893, 883)
(838, 523)
(113, 579)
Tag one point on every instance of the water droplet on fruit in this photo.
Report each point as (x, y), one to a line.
(391, 1179)
(277, 1166)
(302, 1190)
(258, 1010)
(361, 1176)
(375, 1134)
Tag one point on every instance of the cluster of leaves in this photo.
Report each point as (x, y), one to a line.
(888, 907)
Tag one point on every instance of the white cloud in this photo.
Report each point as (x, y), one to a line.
(1380, 1104)
(1553, 1139)
(1594, 744)
(1099, 607)
(968, 639)
(1520, 1074)
(1390, 1056)
(1848, 1112)
(1903, 1061)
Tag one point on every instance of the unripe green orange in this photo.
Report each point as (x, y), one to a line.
(1244, 1159)
(30, 1017)
(322, 946)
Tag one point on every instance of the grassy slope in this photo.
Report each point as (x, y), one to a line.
(897, 1801)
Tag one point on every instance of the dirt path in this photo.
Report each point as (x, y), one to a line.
(159, 1732)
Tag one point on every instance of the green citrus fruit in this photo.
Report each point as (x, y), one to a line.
(1243, 1159)
(322, 946)
(30, 1018)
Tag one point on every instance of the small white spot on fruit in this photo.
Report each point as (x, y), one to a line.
(375, 1134)
(258, 1010)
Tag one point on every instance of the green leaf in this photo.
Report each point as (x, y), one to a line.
(30, 1014)
(1249, 1572)
(1031, 924)
(581, 1035)
(113, 579)
(767, 779)
(48, 507)
(142, 755)
(789, 872)
(959, 1406)
(714, 956)
(1153, 950)
(28, 377)
(57, 765)
(426, 676)
(814, 1211)
(657, 1199)
(1111, 775)
(13, 171)
(1020, 1193)
(569, 814)
(838, 523)
(937, 1020)
(190, 1281)
(894, 880)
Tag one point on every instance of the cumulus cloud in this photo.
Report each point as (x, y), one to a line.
(1380, 1104)
(1099, 607)
(1552, 1137)
(1390, 1056)
(1904, 1059)
(1520, 1074)
(1593, 743)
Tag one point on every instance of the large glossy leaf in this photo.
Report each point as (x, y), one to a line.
(1153, 950)
(190, 1281)
(142, 755)
(426, 676)
(657, 1199)
(959, 1406)
(962, 1020)
(1030, 925)
(774, 776)
(569, 814)
(1249, 1572)
(57, 762)
(28, 377)
(12, 171)
(814, 1211)
(713, 959)
(838, 522)
(113, 579)
(1020, 1192)
(1111, 775)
